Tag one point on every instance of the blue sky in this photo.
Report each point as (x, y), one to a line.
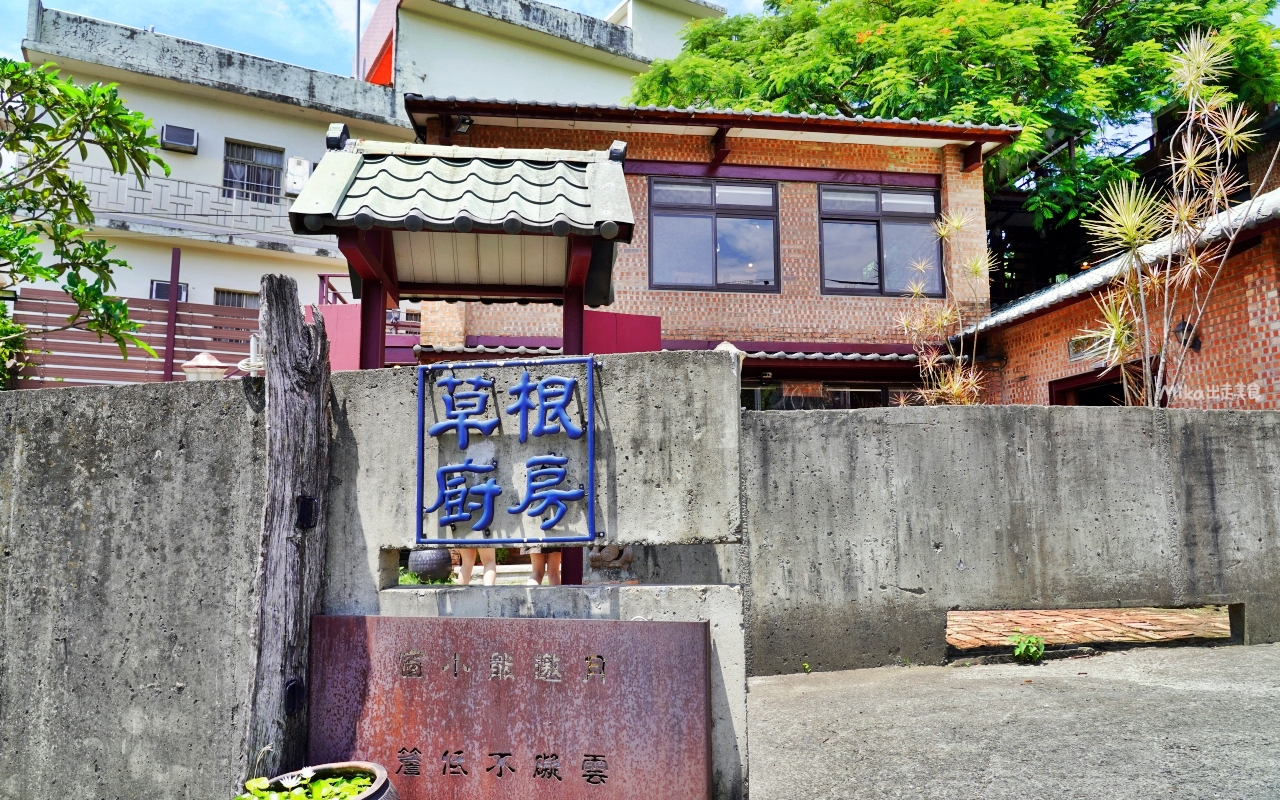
(312, 33)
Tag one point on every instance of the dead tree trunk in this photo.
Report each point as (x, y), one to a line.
(291, 569)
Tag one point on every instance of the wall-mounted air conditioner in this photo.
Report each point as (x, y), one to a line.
(182, 140)
(297, 170)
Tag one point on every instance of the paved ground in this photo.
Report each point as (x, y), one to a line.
(969, 629)
(1185, 722)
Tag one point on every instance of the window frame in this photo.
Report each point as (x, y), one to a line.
(250, 194)
(717, 210)
(257, 296)
(878, 218)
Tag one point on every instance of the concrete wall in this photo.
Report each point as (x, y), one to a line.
(666, 457)
(131, 524)
(865, 527)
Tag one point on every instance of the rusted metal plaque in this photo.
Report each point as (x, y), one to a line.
(530, 708)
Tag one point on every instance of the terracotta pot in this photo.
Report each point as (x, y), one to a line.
(380, 790)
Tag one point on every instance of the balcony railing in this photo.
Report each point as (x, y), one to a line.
(187, 206)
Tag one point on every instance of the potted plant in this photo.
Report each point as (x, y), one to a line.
(346, 780)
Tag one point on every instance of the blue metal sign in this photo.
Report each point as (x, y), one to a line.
(464, 491)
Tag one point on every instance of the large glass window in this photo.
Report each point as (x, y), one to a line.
(879, 241)
(713, 235)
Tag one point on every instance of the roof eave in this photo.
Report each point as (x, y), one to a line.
(431, 106)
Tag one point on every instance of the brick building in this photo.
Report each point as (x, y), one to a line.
(1235, 364)
(791, 236)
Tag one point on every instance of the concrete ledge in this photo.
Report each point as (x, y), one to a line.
(73, 37)
(720, 605)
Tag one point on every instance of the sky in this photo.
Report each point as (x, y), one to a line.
(319, 34)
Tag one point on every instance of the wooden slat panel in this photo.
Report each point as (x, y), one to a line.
(80, 358)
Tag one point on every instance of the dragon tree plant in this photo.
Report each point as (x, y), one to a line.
(949, 374)
(1172, 241)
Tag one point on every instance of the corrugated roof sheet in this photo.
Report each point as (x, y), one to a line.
(432, 188)
(1260, 210)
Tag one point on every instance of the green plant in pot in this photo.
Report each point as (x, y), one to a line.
(348, 780)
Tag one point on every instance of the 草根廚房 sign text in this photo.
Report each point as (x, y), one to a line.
(514, 446)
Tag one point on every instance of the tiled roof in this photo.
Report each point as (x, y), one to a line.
(706, 116)
(458, 189)
(801, 356)
(780, 355)
(481, 349)
(1258, 211)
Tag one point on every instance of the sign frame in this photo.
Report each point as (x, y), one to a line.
(585, 539)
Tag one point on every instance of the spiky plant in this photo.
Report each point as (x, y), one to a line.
(1169, 259)
(948, 373)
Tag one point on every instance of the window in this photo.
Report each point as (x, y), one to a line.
(879, 241)
(160, 291)
(252, 173)
(713, 235)
(227, 297)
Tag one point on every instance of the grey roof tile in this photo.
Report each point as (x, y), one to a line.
(439, 188)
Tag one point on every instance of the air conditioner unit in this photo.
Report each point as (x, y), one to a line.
(295, 175)
(182, 140)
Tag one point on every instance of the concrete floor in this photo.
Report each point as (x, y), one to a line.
(1186, 722)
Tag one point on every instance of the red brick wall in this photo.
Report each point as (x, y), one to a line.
(1240, 335)
(800, 312)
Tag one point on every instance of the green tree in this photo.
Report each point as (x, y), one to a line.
(1064, 69)
(45, 121)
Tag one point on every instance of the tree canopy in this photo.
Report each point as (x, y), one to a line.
(1062, 69)
(45, 120)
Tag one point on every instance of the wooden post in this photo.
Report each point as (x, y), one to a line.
(373, 324)
(571, 557)
(291, 570)
(171, 326)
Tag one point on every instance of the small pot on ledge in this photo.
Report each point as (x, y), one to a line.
(381, 789)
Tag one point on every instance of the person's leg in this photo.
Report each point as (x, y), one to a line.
(489, 557)
(539, 563)
(553, 568)
(468, 561)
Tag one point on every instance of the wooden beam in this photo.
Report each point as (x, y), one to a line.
(171, 326)
(291, 570)
(720, 145)
(372, 255)
(579, 261)
(972, 157)
(703, 169)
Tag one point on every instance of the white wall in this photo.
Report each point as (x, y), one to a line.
(205, 269)
(656, 30)
(436, 57)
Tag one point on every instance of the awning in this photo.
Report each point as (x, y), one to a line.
(427, 188)
(444, 222)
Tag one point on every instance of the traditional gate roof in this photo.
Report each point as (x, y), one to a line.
(414, 187)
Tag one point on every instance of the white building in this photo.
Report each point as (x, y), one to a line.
(242, 133)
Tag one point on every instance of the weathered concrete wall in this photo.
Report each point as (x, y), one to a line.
(130, 519)
(720, 605)
(865, 527)
(666, 461)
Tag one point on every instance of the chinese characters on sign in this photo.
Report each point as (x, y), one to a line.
(536, 478)
(475, 708)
